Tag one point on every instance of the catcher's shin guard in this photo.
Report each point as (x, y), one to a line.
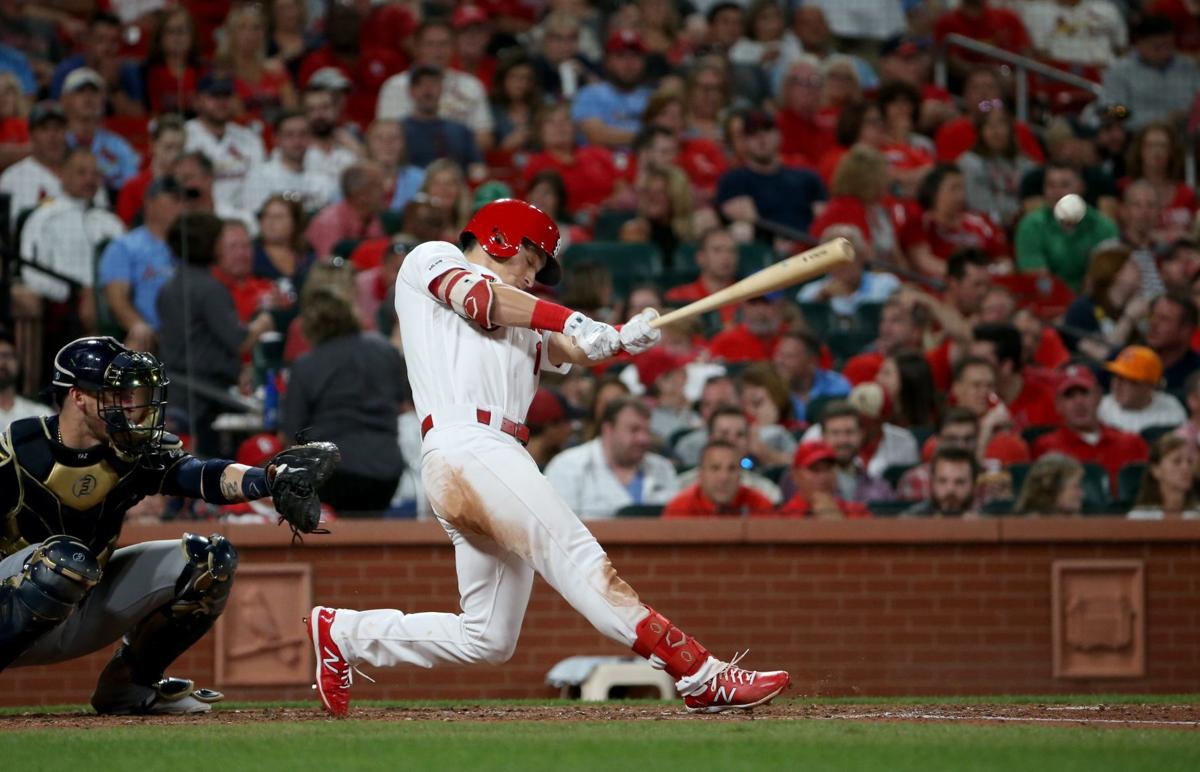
(56, 578)
(200, 596)
(668, 647)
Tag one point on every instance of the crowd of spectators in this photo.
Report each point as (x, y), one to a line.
(234, 186)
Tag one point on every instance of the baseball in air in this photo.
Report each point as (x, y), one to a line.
(1069, 210)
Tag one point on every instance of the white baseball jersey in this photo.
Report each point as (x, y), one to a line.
(452, 362)
(233, 155)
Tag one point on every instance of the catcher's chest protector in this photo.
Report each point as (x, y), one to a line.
(81, 493)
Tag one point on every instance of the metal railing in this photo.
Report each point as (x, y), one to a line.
(1022, 67)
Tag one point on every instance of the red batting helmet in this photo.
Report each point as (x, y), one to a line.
(502, 225)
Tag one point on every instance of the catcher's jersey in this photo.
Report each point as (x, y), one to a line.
(47, 488)
(454, 362)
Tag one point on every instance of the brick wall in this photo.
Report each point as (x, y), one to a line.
(878, 607)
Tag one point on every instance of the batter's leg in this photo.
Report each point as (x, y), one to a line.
(494, 489)
(493, 586)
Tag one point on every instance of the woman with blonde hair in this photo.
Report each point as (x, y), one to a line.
(1168, 490)
(14, 127)
(768, 404)
(859, 197)
(262, 84)
(446, 185)
(664, 212)
(1054, 486)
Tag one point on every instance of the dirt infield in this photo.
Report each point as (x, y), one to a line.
(1182, 717)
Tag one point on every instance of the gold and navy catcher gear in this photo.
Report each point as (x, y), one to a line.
(55, 579)
(130, 388)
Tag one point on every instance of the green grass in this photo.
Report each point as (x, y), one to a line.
(653, 745)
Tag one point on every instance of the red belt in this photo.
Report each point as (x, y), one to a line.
(520, 432)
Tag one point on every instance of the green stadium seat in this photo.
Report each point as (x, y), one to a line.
(889, 508)
(1031, 433)
(1129, 481)
(630, 264)
(867, 316)
(819, 317)
(607, 226)
(775, 474)
(345, 248)
(753, 257)
(1152, 433)
(894, 472)
(921, 433)
(1000, 507)
(1019, 472)
(816, 406)
(392, 221)
(1097, 488)
(640, 510)
(846, 343)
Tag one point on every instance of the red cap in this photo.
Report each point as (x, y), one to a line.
(1008, 448)
(546, 408)
(656, 363)
(258, 448)
(810, 453)
(625, 40)
(1076, 376)
(468, 15)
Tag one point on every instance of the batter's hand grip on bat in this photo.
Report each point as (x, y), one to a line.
(787, 272)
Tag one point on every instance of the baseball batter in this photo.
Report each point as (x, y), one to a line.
(475, 343)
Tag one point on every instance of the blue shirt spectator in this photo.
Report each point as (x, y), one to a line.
(783, 195)
(429, 139)
(797, 359)
(14, 61)
(826, 383)
(83, 104)
(117, 159)
(142, 260)
(101, 53)
(609, 113)
(129, 80)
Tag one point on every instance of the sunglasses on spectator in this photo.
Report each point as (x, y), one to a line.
(988, 105)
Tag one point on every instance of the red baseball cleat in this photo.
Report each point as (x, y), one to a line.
(333, 671)
(736, 689)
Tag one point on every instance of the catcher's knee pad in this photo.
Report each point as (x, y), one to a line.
(208, 575)
(57, 577)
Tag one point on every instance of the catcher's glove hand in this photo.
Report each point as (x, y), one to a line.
(294, 475)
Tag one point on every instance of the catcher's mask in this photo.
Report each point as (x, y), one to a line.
(130, 388)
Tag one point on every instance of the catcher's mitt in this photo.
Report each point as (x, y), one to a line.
(295, 474)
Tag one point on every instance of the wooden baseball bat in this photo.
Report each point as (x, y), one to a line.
(791, 270)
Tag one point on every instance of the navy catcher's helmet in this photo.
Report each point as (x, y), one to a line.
(130, 386)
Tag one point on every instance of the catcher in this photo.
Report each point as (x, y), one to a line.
(66, 482)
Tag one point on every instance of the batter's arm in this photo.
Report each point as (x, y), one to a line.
(515, 308)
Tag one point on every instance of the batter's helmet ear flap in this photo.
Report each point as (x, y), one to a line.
(503, 225)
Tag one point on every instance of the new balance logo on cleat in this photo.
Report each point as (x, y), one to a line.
(333, 671)
(734, 688)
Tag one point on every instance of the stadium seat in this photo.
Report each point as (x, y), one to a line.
(607, 226)
(1152, 433)
(999, 507)
(640, 510)
(816, 406)
(889, 508)
(921, 433)
(630, 264)
(819, 317)
(846, 343)
(1031, 433)
(867, 316)
(1129, 481)
(392, 221)
(345, 248)
(1097, 488)
(894, 472)
(1018, 472)
(775, 474)
(753, 257)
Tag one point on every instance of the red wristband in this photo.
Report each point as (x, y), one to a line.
(549, 316)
